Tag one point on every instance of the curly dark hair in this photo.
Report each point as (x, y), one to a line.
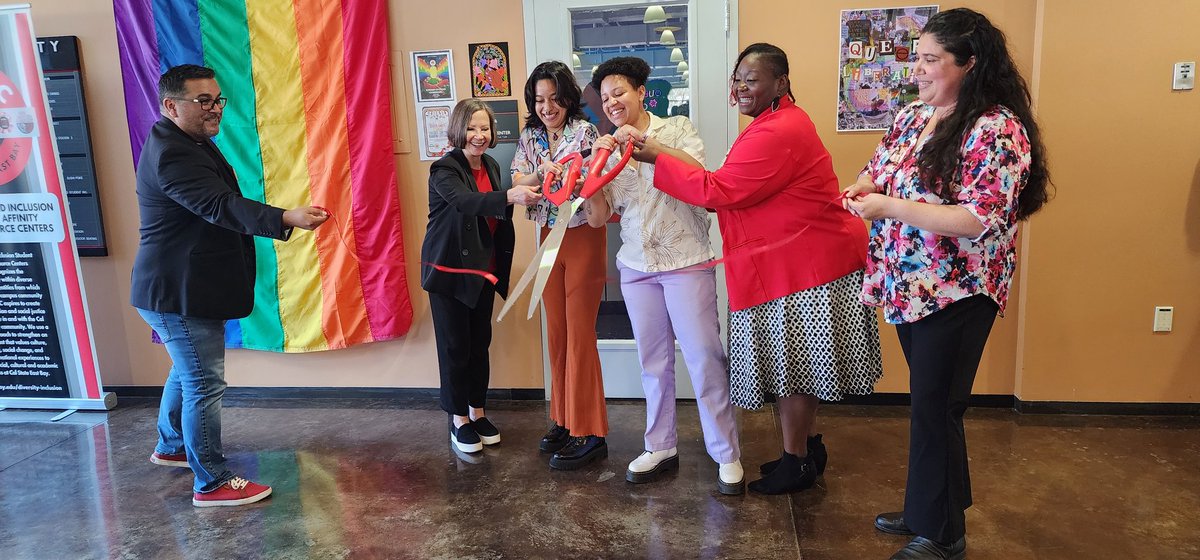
(992, 81)
(568, 93)
(173, 82)
(772, 56)
(632, 68)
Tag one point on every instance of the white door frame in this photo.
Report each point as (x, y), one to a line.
(548, 37)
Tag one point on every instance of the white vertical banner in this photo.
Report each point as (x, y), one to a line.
(47, 353)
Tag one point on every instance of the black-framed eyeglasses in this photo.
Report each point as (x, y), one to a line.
(207, 103)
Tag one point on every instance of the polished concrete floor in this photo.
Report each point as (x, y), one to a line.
(373, 479)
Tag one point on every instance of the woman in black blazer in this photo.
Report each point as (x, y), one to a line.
(470, 227)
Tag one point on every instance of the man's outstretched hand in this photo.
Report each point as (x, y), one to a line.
(305, 217)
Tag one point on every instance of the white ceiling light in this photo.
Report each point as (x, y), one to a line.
(668, 34)
(682, 67)
(654, 14)
(676, 55)
(685, 75)
(575, 62)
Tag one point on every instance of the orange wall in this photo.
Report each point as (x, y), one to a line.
(1122, 236)
(127, 357)
(1124, 233)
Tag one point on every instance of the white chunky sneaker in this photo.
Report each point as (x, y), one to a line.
(650, 464)
(731, 479)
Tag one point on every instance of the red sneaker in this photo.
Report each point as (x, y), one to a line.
(238, 491)
(169, 459)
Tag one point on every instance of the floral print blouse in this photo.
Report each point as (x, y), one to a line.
(659, 233)
(913, 273)
(533, 148)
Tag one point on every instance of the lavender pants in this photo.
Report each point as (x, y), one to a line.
(681, 305)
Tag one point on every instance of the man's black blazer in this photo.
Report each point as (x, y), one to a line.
(458, 235)
(196, 254)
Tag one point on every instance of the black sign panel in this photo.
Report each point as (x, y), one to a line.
(508, 130)
(31, 359)
(64, 90)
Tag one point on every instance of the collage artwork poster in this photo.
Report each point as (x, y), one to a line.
(489, 70)
(433, 87)
(877, 56)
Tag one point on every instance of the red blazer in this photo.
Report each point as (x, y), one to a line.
(777, 180)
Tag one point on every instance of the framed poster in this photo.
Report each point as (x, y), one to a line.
(433, 76)
(876, 59)
(433, 85)
(434, 123)
(489, 70)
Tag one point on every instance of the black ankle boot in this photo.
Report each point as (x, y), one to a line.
(792, 474)
(815, 449)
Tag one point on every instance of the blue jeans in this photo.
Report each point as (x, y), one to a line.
(189, 415)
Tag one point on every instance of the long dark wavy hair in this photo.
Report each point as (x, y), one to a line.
(992, 81)
(568, 93)
(772, 56)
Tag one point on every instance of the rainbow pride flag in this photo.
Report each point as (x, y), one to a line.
(308, 122)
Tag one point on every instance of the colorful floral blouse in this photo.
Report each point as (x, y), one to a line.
(533, 148)
(913, 273)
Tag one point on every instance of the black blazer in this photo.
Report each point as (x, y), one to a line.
(458, 235)
(196, 253)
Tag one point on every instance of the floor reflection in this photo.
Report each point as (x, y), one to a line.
(384, 482)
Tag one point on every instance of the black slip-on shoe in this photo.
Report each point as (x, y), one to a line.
(921, 548)
(892, 523)
(465, 439)
(489, 434)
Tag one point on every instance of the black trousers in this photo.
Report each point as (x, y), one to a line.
(463, 335)
(943, 352)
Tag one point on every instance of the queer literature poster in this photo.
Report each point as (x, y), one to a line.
(877, 55)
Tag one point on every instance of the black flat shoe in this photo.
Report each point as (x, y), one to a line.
(554, 439)
(489, 434)
(892, 523)
(579, 453)
(921, 548)
(816, 450)
(465, 439)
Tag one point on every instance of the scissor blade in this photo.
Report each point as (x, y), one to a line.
(552, 244)
(523, 283)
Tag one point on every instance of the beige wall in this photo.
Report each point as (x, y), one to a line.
(1122, 236)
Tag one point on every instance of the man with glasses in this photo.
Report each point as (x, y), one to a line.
(194, 270)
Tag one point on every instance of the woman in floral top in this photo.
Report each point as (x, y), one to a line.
(556, 127)
(668, 298)
(945, 191)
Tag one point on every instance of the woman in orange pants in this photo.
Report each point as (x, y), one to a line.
(554, 128)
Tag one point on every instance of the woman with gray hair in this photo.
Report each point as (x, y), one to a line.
(470, 227)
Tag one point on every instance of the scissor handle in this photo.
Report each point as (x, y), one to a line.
(595, 179)
(568, 185)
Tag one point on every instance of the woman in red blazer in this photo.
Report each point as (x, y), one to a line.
(797, 330)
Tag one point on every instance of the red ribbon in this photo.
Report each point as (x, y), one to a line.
(770, 246)
(341, 237)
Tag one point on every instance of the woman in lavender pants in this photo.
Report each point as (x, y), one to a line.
(669, 298)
